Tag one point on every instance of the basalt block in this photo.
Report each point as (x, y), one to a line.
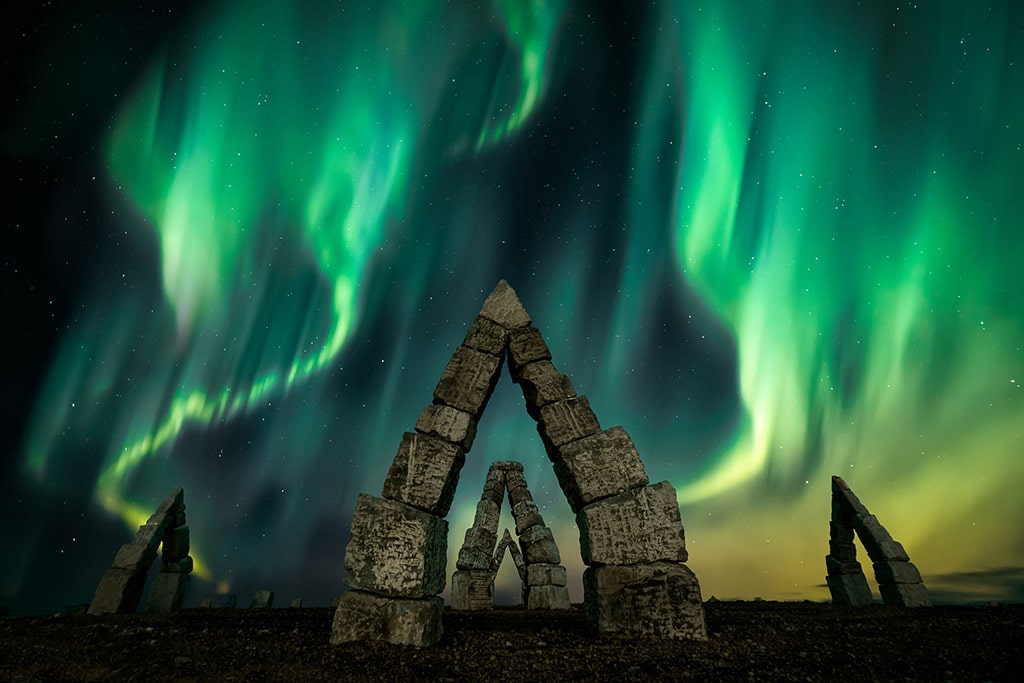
(476, 550)
(487, 515)
(472, 590)
(118, 591)
(849, 589)
(176, 544)
(835, 567)
(566, 421)
(538, 545)
(167, 592)
(487, 336)
(366, 616)
(877, 542)
(424, 473)
(896, 572)
(542, 385)
(639, 526)
(183, 566)
(661, 598)
(539, 574)
(526, 514)
(468, 380)
(526, 345)
(599, 466)
(547, 597)
(396, 550)
(905, 594)
(447, 423)
(503, 307)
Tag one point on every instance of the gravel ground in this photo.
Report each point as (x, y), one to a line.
(748, 641)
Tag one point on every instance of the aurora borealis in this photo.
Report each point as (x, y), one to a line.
(774, 243)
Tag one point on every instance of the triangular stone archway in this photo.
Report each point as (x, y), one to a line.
(120, 588)
(899, 581)
(631, 534)
(539, 562)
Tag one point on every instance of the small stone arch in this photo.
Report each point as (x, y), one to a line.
(121, 586)
(631, 534)
(899, 581)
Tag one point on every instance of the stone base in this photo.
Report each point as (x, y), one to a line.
(472, 589)
(367, 616)
(118, 591)
(849, 589)
(547, 597)
(167, 592)
(661, 598)
(905, 594)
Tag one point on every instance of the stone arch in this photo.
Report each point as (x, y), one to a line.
(539, 563)
(120, 588)
(631, 534)
(899, 581)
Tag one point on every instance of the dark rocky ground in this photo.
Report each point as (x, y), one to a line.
(748, 641)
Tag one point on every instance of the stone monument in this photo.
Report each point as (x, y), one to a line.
(121, 586)
(631, 533)
(898, 579)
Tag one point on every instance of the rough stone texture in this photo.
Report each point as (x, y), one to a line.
(513, 549)
(849, 589)
(835, 567)
(896, 572)
(365, 616)
(639, 526)
(487, 514)
(476, 549)
(503, 307)
(842, 494)
(135, 556)
(262, 600)
(487, 336)
(546, 575)
(518, 491)
(526, 345)
(396, 550)
(905, 594)
(547, 597)
(167, 592)
(182, 566)
(566, 421)
(176, 544)
(118, 591)
(424, 473)
(526, 514)
(449, 424)
(661, 598)
(505, 466)
(841, 533)
(542, 384)
(842, 552)
(598, 466)
(538, 545)
(468, 380)
(472, 589)
(877, 542)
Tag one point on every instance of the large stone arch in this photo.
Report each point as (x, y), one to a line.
(631, 534)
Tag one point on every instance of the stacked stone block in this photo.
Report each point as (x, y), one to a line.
(121, 586)
(899, 581)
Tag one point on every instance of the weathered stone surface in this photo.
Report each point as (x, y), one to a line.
(835, 567)
(476, 549)
(224, 601)
(896, 572)
(543, 574)
(505, 466)
(503, 307)
(639, 526)
(849, 589)
(842, 552)
(599, 466)
(365, 616)
(547, 597)
(167, 592)
(542, 384)
(468, 380)
(424, 473)
(262, 600)
(396, 550)
(472, 590)
(494, 491)
(487, 514)
(119, 590)
(449, 424)
(487, 336)
(135, 556)
(879, 545)
(905, 594)
(841, 493)
(566, 421)
(525, 345)
(538, 545)
(182, 566)
(840, 533)
(176, 544)
(662, 599)
(526, 514)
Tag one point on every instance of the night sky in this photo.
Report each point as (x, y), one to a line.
(774, 241)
